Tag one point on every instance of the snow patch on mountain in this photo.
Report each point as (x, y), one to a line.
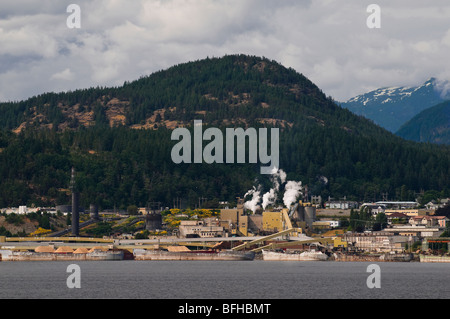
(388, 94)
(390, 107)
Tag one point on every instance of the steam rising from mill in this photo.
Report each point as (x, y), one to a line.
(292, 190)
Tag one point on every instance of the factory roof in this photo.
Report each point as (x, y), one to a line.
(178, 248)
(64, 249)
(81, 250)
(44, 249)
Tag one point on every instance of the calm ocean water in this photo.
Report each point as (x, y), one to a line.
(223, 280)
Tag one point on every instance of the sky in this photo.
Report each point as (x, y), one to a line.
(328, 41)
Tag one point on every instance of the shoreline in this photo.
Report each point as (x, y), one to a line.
(119, 255)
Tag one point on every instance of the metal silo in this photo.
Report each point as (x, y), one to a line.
(93, 210)
(310, 216)
(75, 205)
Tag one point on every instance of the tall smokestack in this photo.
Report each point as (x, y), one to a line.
(75, 200)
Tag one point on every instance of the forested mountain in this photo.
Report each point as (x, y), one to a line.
(119, 140)
(431, 125)
(391, 107)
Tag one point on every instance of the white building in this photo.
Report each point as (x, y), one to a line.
(198, 228)
(377, 241)
(429, 221)
(23, 210)
(334, 223)
(341, 205)
(418, 231)
(374, 208)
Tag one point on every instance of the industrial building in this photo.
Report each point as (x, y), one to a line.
(304, 214)
(201, 228)
(237, 222)
(153, 221)
(234, 221)
(276, 221)
(377, 241)
(93, 211)
(342, 204)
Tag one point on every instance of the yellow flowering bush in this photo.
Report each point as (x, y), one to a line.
(140, 224)
(173, 216)
(40, 231)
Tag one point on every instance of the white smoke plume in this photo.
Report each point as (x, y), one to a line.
(323, 180)
(278, 178)
(253, 204)
(269, 198)
(291, 193)
(282, 176)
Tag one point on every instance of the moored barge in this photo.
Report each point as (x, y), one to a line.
(223, 255)
(296, 256)
(94, 255)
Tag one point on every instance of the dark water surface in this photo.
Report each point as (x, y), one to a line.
(223, 280)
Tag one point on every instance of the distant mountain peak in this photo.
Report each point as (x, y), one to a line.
(391, 107)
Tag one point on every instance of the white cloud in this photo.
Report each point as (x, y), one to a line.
(326, 40)
(446, 39)
(63, 75)
(26, 40)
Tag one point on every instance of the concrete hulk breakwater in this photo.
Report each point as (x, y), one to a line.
(142, 254)
(9, 255)
(374, 258)
(434, 259)
(303, 256)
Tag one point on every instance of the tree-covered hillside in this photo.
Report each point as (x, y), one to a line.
(431, 125)
(119, 140)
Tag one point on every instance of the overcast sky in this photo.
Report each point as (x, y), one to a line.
(120, 40)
